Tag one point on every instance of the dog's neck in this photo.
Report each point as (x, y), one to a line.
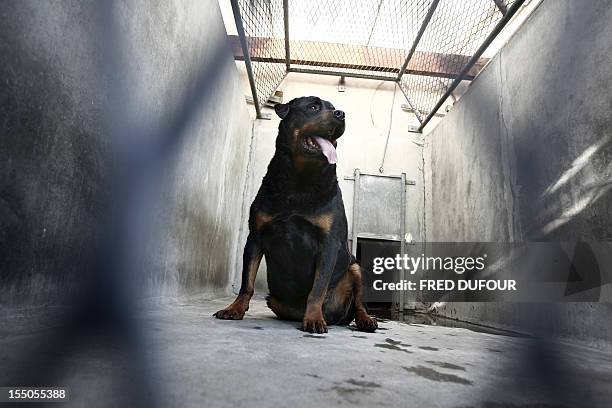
(295, 182)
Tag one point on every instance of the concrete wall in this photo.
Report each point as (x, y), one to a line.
(51, 158)
(526, 155)
(53, 155)
(368, 107)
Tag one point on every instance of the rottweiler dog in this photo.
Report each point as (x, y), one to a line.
(297, 221)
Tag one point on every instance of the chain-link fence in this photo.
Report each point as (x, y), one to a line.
(261, 28)
(452, 37)
(427, 46)
(370, 37)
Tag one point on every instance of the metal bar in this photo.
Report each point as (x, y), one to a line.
(501, 6)
(318, 54)
(286, 18)
(344, 74)
(355, 212)
(403, 240)
(416, 112)
(408, 182)
(430, 13)
(247, 58)
(382, 237)
(502, 23)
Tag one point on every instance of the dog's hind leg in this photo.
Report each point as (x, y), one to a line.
(338, 307)
(345, 302)
(363, 320)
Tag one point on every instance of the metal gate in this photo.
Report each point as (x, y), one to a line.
(379, 213)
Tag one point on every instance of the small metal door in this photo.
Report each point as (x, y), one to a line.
(379, 213)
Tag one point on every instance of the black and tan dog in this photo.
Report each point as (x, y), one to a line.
(297, 221)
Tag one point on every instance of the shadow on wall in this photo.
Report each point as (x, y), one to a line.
(577, 188)
(558, 114)
(52, 162)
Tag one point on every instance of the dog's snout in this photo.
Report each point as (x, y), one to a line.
(338, 114)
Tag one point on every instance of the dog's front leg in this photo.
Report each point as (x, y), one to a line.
(313, 321)
(250, 265)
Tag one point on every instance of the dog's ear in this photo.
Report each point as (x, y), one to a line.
(282, 110)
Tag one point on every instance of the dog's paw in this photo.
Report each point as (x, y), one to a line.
(314, 324)
(232, 312)
(365, 322)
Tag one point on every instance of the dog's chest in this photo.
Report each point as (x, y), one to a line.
(291, 235)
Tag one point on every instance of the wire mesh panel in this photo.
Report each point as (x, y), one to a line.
(264, 31)
(427, 46)
(455, 32)
(354, 36)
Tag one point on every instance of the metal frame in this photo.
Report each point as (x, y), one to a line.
(501, 6)
(247, 55)
(342, 74)
(286, 22)
(355, 235)
(430, 12)
(500, 25)
(507, 14)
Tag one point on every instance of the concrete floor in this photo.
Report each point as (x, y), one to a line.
(200, 361)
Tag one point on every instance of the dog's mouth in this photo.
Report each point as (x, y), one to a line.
(319, 145)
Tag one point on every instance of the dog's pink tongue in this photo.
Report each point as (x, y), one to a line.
(328, 149)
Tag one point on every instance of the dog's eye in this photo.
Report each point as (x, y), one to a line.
(314, 108)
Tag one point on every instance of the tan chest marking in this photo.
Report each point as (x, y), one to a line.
(262, 219)
(323, 221)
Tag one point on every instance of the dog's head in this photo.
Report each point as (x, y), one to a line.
(310, 127)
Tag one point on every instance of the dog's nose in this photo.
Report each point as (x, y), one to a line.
(338, 114)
